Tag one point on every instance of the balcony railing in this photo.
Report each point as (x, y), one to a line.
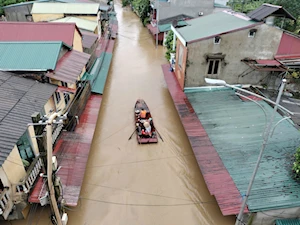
(32, 174)
(5, 203)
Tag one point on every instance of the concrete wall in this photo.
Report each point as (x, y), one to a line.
(50, 105)
(269, 217)
(33, 141)
(187, 7)
(91, 18)
(18, 13)
(235, 46)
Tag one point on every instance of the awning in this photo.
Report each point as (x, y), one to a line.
(152, 29)
(264, 64)
(290, 61)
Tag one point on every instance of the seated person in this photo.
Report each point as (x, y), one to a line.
(147, 130)
(143, 113)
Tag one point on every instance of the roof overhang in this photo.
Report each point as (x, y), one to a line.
(289, 61)
(264, 64)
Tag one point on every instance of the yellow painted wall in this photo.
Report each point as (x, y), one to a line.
(77, 41)
(37, 17)
(91, 18)
(50, 105)
(3, 177)
(33, 140)
(13, 166)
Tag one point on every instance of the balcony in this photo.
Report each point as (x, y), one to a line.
(5, 203)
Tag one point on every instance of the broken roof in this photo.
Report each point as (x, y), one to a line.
(20, 98)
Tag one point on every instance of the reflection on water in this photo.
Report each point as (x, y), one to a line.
(130, 184)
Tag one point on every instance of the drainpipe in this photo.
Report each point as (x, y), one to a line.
(49, 167)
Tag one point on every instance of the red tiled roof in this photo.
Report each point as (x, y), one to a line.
(70, 66)
(41, 31)
(72, 151)
(216, 176)
(88, 39)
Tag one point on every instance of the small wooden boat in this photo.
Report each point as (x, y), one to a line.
(143, 124)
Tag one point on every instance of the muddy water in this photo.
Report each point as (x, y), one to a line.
(130, 184)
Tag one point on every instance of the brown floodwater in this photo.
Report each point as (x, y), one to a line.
(130, 184)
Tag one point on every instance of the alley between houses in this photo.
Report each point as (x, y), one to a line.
(130, 184)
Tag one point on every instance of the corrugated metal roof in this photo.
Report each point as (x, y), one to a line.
(70, 66)
(29, 56)
(62, 1)
(70, 8)
(167, 27)
(99, 72)
(88, 39)
(214, 24)
(80, 23)
(23, 31)
(287, 222)
(235, 128)
(20, 98)
(266, 10)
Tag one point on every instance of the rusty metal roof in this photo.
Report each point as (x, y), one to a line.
(266, 10)
(70, 66)
(20, 98)
(41, 31)
(88, 39)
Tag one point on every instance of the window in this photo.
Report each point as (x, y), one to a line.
(67, 98)
(64, 84)
(57, 97)
(213, 66)
(25, 150)
(217, 40)
(252, 33)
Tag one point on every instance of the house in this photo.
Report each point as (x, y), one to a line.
(82, 24)
(20, 160)
(21, 12)
(163, 13)
(51, 62)
(225, 44)
(50, 11)
(42, 31)
(226, 133)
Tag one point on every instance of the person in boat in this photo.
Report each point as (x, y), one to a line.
(143, 113)
(138, 129)
(147, 131)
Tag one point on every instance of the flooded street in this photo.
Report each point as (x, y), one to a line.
(130, 184)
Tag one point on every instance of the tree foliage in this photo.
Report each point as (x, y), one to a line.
(292, 6)
(142, 8)
(169, 45)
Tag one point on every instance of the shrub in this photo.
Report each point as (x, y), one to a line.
(296, 165)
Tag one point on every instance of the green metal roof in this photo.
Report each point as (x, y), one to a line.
(29, 56)
(167, 27)
(235, 129)
(287, 222)
(99, 72)
(212, 25)
(80, 23)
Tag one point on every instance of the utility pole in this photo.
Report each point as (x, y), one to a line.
(49, 168)
(157, 19)
(266, 135)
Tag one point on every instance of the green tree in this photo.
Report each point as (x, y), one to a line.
(169, 45)
(142, 8)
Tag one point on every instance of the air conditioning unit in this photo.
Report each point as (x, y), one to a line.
(64, 219)
(200, 13)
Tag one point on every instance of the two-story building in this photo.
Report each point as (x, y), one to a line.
(230, 46)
